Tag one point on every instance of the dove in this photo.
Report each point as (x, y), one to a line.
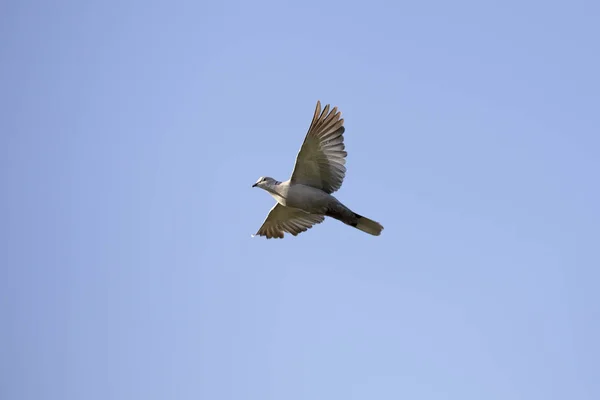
(306, 198)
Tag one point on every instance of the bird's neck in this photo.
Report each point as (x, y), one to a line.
(273, 187)
(276, 188)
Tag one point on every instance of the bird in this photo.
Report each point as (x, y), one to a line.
(306, 198)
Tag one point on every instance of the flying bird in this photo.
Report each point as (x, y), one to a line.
(305, 199)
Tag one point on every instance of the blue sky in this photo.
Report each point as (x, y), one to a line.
(131, 132)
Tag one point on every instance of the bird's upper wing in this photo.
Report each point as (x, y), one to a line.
(320, 161)
(285, 219)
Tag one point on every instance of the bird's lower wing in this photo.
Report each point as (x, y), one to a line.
(285, 219)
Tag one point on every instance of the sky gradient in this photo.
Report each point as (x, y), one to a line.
(131, 133)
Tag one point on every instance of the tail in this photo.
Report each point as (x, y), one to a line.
(368, 225)
(349, 217)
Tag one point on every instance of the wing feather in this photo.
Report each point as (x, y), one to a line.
(321, 160)
(285, 219)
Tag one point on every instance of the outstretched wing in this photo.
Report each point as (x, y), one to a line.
(320, 161)
(285, 219)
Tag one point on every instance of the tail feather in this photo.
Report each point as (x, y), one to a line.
(349, 217)
(368, 225)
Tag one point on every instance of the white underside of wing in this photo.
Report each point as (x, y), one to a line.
(321, 160)
(283, 219)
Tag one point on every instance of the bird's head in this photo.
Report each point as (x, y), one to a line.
(264, 181)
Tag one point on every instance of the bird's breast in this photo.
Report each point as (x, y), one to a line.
(308, 198)
(280, 199)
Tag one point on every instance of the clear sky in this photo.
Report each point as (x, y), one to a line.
(131, 133)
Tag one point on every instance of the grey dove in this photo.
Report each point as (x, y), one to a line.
(305, 199)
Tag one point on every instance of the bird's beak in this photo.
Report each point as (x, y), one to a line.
(255, 185)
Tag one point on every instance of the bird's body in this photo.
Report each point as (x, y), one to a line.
(305, 199)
